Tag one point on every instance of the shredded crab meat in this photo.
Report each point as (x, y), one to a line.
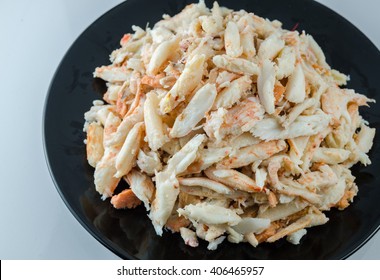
(210, 214)
(226, 126)
(236, 65)
(239, 119)
(265, 84)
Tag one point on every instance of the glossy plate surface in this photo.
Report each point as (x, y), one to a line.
(130, 234)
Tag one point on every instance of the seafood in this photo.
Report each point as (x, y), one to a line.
(226, 126)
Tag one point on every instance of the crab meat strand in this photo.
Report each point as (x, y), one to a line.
(265, 85)
(186, 83)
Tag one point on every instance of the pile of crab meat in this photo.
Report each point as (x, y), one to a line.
(226, 126)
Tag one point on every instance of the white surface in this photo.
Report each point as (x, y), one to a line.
(34, 222)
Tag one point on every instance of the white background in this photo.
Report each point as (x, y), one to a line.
(34, 36)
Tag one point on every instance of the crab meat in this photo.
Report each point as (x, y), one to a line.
(161, 55)
(127, 156)
(295, 88)
(189, 237)
(154, 126)
(209, 214)
(142, 186)
(205, 183)
(186, 83)
(125, 199)
(236, 65)
(233, 179)
(232, 40)
(250, 154)
(270, 47)
(230, 95)
(194, 112)
(265, 85)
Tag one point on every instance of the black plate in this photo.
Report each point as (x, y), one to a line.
(129, 233)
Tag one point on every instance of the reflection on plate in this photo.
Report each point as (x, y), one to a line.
(129, 233)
